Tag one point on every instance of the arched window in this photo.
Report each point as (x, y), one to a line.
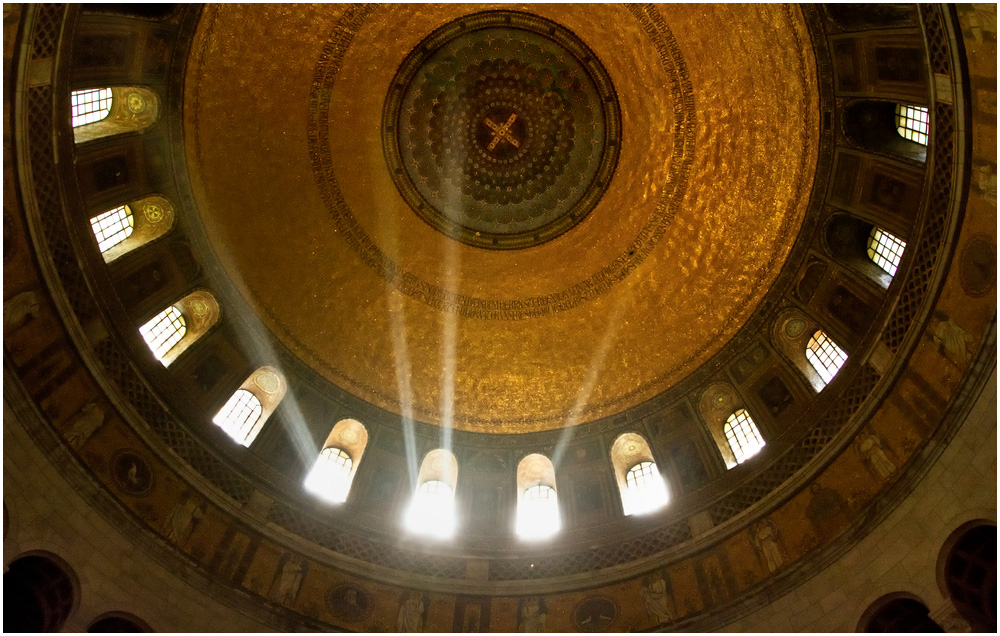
(123, 229)
(118, 622)
(38, 594)
(332, 474)
(970, 575)
(170, 332)
(537, 506)
(164, 331)
(640, 485)
(898, 613)
(885, 250)
(743, 436)
(240, 415)
(913, 123)
(90, 105)
(113, 227)
(825, 356)
(100, 112)
(432, 510)
(244, 414)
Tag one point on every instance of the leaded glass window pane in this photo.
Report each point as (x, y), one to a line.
(825, 356)
(164, 331)
(913, 123)
(885, 250)
(90, 105)
(743, 435)
(112, 227)
(239, 417)
(330, 477)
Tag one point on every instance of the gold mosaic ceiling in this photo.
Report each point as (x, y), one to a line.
(719, 134)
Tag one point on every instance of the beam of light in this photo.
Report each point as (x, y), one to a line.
(583, 395)
(256, 338)
(397, 319)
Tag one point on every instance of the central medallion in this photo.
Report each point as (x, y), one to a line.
(501, 130)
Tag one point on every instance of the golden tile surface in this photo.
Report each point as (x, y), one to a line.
(662, 273)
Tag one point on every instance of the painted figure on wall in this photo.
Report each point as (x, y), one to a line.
(182, 519)
(412, 612)
(870, 447)
(765, 537)
(953, 342)
(531, 615)
(656, 598)
(287, 580)
(90, 419)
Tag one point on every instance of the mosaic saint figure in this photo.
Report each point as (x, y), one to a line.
(90, 419)
(411, 613)
(765, 537)
(656, 598)
(874, 457)
(532, 614)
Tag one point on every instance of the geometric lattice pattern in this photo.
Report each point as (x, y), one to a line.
(330, 477)
(164, 331)
(743, 436)
(825, 356)
(885, 250)
(913, 123)
(240, 416)
(112, 227)
(90, 105)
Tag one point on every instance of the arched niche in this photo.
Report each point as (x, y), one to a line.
(873, 125)
(200, 312)
(538, 515)
(149, 218)
(243, 415)
(118, 622)
(717, 403)
(333, 472)
(847, 238)
(967, 573)
(897, 612)
(640, 484)
(40, 591)
(790, 335)
(132, 109)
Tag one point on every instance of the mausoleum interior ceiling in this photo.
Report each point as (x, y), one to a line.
(718, 136)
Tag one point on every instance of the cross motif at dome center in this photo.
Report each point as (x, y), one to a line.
(502, 132)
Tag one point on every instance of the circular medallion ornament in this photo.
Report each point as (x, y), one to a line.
(795, 327)
(596, 614)
(349, 603)
(501, 130)
(267, 381)
(132, 473)
(153, 212)
(136, 103)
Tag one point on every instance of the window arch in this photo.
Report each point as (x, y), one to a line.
(913, 123)
(39, 593)
(118, 622)
(967, 567)
(333, 473)
(112, 227)
(537, 504)
(885, 250)
(120, 230)
(244, 414)
(743, 435)
(825, 356)
(640, 484)
(170, 332)
(898, 612)
(432, 510)
(885, 126)
(163, 331)
(105, 111)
